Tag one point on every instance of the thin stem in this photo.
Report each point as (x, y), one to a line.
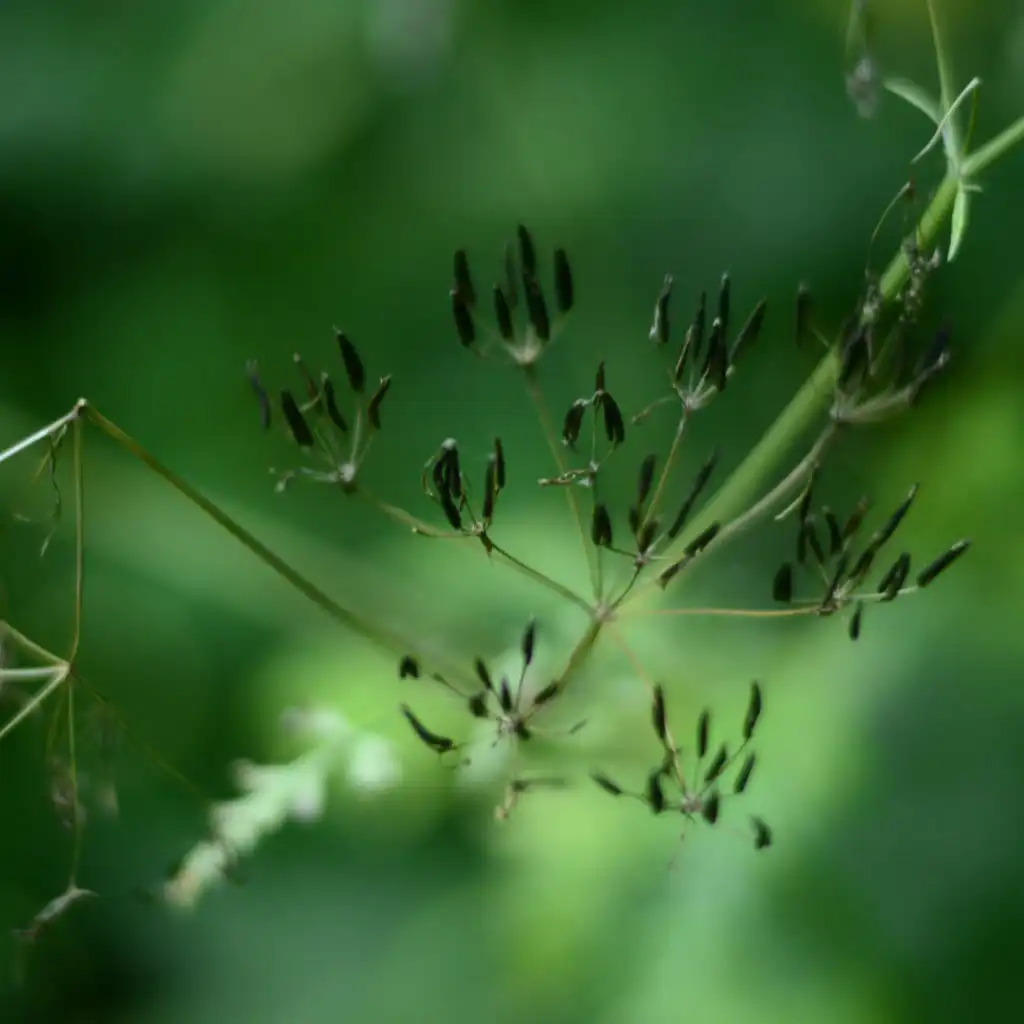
(42, 434)
(666, 469)
(384, 638)
(537, 398)
(76, 848)
(986, 155)
(739, 613)
(79, 537)
(541, 578)
(59, 677)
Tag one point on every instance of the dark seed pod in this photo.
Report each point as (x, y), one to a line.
(463, 280)
(810, 533)
(894, 520)
(607, 784)
(710, 808)
(451, 510)
(441, 744)
(724, 292)
(522, 732)
(856, 357)
(478, 705)
(331, 404)
(529, 642)
(601, 527)
(655, 794)
(855, 621)
(699, 484)
(658, 714)
(699, 543)
(863, 566)
(753, 710)
(803, 313)
(503, 315)
(716, 365)
(312, 391)
(660, 327)
(573, 422)
(297, 424)
(614, 425)
(853, 524)
(527, 252)
(836, 579)
(548, 693)
(464, 326)
(942, 563)
(252, 371)
(717, 765)
(354, 369)
(703, 731)
(894, 579)
(782, 585)
(634, 517)
(645, 535)
(835, 534)
(804, 508)
(499, 463)
(564, 292)
(537, 309)
(762, 834)
(408, 668)
(599, 378)
(490, 489)
(749, 331)
(696, 332)
(505, 695)
(743, 779)
(644, 479)
(373, 408)
(483, 674)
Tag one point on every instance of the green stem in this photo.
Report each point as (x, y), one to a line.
(986, 155)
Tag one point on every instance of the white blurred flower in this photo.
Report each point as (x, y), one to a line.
(373, 765)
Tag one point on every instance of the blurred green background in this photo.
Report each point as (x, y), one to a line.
(185, 186)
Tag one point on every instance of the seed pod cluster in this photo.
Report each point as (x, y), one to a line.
(700, 793)
(519, 285)
(444, 483)
(829, 544)
(313, 417)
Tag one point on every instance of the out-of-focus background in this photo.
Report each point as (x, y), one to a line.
(186, 186)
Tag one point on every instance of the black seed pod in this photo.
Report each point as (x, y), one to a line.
(655, 794)
(698, 485)
(599, 378)
(354, 369)
(331, 404)
(573, 421)
(724, 292)
(490, 489)
(478, 705)
(710, 808)
(660, 327)
(463, 280)
(895, 578)
(699, 543)
(483, 674)
(717, 764)
(749, 331)
(645, 535)
(312, 391)
(373, 407)
(696, 332)
(527, 252)
(703, 731)
(743, 779)
(835, 534)
(753, 710)
(716, 365)
(855, 621)
(441, 744)
(614, 425)
(464, 325)
(508, 268)
(607, 784)
(942, 563)
(810, 536)
(782, 585)
(564, 292)
(894, 520)
(853, 524)
(505, 695)
(537, 309)
(503, 315)
(252, 371)
(644, 479)
(529, 642)
(499, 463)
(803, 313)
(408, 668)
(297, 424)
(548, 693)
(762, 834)
(601, 527)
(658, 714)
(451, 510)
